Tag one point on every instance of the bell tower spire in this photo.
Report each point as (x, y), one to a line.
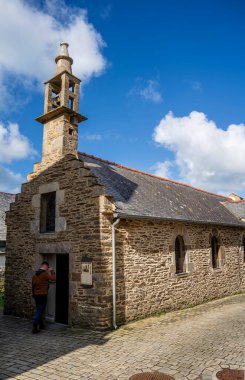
(63, 61)
(61, 111)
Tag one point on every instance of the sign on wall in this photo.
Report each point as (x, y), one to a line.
(87, 273)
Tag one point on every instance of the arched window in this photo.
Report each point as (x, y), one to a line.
(179, 254)
(215, 252)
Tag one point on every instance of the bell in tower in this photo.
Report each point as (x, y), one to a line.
(61, 111)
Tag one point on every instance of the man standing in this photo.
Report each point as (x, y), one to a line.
(40, 286)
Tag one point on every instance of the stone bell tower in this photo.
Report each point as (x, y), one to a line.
(61, 116)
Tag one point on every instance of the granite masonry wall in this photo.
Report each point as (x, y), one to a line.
(81, 211)
(57, 142)
(146, 278)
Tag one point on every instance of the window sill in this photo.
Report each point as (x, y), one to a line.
(216, 269)
(184, 274)
(47, 234)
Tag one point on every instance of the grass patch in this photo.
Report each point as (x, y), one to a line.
(158, 314)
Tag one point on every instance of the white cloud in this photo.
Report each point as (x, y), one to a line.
(162, 169)
(13, 145)
(9, 181)
(5, 93)
(148, 91)
(92, 137)
(151, 92)
(30, 37)
(205, 155)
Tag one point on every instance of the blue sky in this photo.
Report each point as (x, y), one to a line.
(163, 85)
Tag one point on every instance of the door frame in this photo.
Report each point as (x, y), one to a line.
(62, 288)
(46, 256)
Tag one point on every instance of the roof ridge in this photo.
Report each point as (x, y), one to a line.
(152, 175)
(234, 202)
(4, 192)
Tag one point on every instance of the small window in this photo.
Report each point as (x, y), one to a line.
(180, 254)
(53, 94)
(215, 252)
(70, 131)
(70, 103)
(47, 216)
(2, 243)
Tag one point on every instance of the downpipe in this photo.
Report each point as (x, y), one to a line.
(114, 305)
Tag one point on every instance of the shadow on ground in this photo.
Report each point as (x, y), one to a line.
(22, 351)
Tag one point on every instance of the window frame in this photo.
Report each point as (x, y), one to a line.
(47, 216)
(180, 256)
(215, 250)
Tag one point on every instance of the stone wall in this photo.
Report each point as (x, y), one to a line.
(81, 209)
(60, 138)
(146, 278)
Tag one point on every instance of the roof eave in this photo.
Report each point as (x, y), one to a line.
(122, 215)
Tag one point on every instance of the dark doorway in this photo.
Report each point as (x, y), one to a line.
(62, 288)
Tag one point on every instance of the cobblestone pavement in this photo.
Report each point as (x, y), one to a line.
(188, 344)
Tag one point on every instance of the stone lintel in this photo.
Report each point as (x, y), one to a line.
(49, 187)
(52, 248)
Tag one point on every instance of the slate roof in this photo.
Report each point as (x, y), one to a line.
(142, 195)
(237, 208)
(5, 200)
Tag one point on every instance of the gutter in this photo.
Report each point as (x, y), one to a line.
(166, 219)
(114, 305)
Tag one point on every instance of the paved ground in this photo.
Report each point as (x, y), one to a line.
(189, 344)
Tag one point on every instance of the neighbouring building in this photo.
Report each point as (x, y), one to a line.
(125, 244)
(5, 200)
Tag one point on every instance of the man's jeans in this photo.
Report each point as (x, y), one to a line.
(41, 301)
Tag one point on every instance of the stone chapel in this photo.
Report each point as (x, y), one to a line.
(125, 244)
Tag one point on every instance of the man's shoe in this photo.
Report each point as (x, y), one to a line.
(42, 326)
(35, 330)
